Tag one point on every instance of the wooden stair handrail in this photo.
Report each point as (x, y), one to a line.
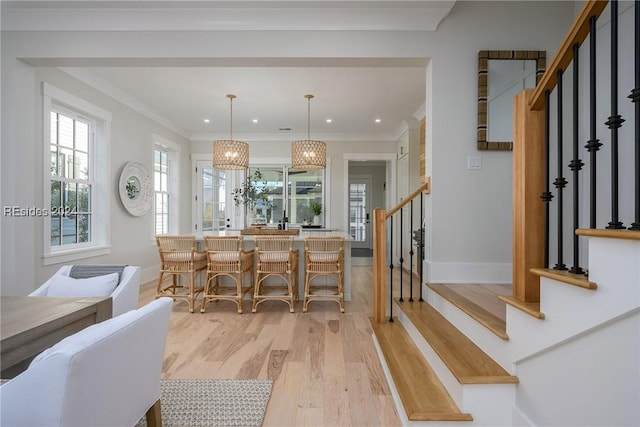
(577, 34)
(380, 249)
(424, 188)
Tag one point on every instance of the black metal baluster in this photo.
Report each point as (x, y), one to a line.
(594, 144)
(560, 182)
(615, 120)
(546, 195)
(391, 270)
(401, 254)
(423, 236)
(635, 97)
(576, 164)
(410, 252)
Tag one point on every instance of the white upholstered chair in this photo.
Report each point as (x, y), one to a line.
(108, 374)
(125, 295)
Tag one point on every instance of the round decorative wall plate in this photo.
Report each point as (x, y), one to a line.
(135, 188)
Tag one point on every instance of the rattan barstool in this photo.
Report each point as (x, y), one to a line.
(226, 257)
(276, 258)
(179, 257)
(324, 257)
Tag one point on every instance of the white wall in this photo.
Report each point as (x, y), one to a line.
(469, 211)
(594, 379)
(132, 138)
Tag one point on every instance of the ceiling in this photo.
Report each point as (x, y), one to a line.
(353, 93)
(352, 97)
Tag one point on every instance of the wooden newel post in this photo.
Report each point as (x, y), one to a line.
(379, 261)
(528, 208)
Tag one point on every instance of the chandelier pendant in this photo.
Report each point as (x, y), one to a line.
(229, 153)
(308, 153)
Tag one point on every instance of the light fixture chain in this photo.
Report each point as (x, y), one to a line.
(231, 118)
(309, 117)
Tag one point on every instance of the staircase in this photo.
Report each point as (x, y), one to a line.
(573, 360)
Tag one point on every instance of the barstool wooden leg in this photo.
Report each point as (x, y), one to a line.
(256, 292)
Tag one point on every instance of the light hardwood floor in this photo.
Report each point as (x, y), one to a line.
(324, 365)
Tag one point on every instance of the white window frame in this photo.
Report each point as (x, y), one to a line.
(99, 164)
(173, 169)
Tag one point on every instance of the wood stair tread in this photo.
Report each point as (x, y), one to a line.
(423, 396)
(482, 316)
(531, 308)
(579, 280)
(466, 361)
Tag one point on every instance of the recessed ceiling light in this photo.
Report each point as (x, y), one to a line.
(329, 120)
(207, 121)
(378, 120)
(255, 120)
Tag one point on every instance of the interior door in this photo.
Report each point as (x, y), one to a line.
(360, 212)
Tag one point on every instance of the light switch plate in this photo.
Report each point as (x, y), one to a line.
(474, 162)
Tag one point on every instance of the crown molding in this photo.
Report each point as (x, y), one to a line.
(290, 137)
(238, 15)
(114, 92)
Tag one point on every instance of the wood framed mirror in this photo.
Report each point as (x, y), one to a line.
(501, 75)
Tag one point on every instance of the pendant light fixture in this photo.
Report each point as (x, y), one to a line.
(228, 153)
(307, 153)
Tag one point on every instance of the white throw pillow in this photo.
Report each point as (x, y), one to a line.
(98, 286)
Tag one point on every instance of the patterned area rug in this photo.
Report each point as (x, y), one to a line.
(199, 403)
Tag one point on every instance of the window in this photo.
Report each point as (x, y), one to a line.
(71, 178)
(77, 180)
(161, 188)
(166, 185)
(285, 188)
(303, 188)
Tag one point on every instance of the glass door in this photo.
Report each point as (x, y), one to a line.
(360, 212)
(211, 199)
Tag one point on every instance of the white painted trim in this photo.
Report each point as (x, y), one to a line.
(101, 166)
(175, 198)
(280, 137)
(114, 92)
(75, 102)
(225, 15)
(76, 254)
(165, 143)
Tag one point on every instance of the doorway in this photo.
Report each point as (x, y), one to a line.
(369, 185)
(360, 213)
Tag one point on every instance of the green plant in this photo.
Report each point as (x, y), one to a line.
(253, 189)
(316, 208)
